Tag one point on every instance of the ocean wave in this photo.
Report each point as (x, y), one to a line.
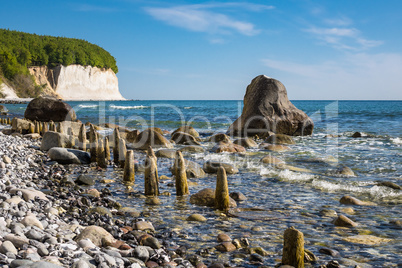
(188, 107)
(112, 106)
(88, 106)
(397, 140)
(287, 175)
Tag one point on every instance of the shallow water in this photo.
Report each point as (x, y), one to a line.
(287, 198)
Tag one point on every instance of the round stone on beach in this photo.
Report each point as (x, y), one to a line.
(85, 180)
(69, 156)
(196, 217)
(99, 236)
(272, 160)
(226, 247)
(32, 221)
(224, 238)
(8, 247)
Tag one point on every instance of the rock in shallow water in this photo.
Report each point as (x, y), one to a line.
(69, 156)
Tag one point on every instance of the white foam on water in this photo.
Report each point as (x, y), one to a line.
(112, 106)
(88, 106)
(397, 140)
(106, 131)
(264, 171)
(374, 191)
(288, 175)
(189, 107)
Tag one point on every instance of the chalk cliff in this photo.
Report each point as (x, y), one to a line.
(76, 82)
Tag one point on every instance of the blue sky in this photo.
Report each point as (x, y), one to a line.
(323, 49)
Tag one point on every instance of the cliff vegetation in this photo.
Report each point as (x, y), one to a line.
(19, 50)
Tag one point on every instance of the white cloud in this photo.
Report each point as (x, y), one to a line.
(343, 38)
(355, 76)
(200, 18)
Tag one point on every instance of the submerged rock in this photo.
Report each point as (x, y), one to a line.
(345, 171)
(280, 139)
(246, 142)
(206, 197)
(344, 221)
(184, 138)
(367, 239)
(187, 129)
(349, 200)
(274, 147)
(212, 167)
(267, 108)
(228, 147)
(151, 138)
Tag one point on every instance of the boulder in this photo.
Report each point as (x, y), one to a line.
(267, 108)
(187, 129)
(345, 171)
(54, 139)
(184, 138)
(46, 108)
(272, 160)
(206, 197)
(350, 200)
(344, 221)
(246, 142)
(212, 167)
(75, 127)
(151, 138)
(69, 156)
(3, 110)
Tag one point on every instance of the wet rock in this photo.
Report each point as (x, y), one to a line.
(390, 185)
(280, 139)
(143, 226)
(193, 169)
(329, 251)
(206, 197)
(167, 153)
(101, 211)
(272, 160)
(267, 108)
(357, 135)
(224, 238)
(129, 211)
(54, 139)
(345, 171)
(85, 180)
(293, 248)
(184, 138)
(228, 147)
(226, 247)
(237, 196)
(46, 108)
(256, 258)
(192, 149)
(212, 167)
(98, 236)
(349, 200)
(344, 221)
(151, 138)
(246, 142)
(86, 243)
(152, 242)
(367, 239)
(196, 217)
(220, 137)
(187, 129)
(274, 147)
(6, 159)
(328, 213)
(69, 156)
(309, 256)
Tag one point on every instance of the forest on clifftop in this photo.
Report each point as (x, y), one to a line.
(19, 50)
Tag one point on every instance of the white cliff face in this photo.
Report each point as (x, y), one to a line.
(76, 82)
(7, 92)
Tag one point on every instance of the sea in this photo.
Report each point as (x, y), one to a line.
(305, 196)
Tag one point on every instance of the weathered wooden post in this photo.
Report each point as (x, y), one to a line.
(93, 140)
(59, 128)
(151, 174)
(100, 154)
(122, 152)
(129, 173)
(82, 138)
(222, 190)
(71, 137)
(293, 248)
(116, 139)
(107, 149)
(31, 128)
(44, 128)
(181, 175)
(52, 127)
(37, 129)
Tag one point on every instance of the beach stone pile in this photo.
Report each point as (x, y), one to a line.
(47, 220)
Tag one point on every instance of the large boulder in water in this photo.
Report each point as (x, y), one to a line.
(267, 108)
(46, 108)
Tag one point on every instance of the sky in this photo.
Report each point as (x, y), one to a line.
(211, 50)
